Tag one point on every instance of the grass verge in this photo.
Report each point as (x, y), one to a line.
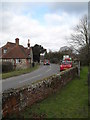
(19, 72)
(70, 102)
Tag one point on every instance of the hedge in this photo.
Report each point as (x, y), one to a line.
(7, 66)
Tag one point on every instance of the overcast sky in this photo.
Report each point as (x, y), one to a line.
(47, 24)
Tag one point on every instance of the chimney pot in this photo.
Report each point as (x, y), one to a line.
(28, 44)
(17, 41)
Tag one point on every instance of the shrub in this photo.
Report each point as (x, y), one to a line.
(54, 60)
(7, 66)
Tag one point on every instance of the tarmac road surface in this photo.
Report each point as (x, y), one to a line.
(25, 79)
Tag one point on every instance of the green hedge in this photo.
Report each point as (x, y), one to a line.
(7, 66)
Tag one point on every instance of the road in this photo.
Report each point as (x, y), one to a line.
(18, 81)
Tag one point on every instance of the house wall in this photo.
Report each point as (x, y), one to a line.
(16, 100)
(21, 65)
(31, 54)
(10, 60)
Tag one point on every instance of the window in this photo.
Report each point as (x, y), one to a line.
(18, 60)
(5, 50)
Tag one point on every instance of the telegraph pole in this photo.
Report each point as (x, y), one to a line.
(89, 59)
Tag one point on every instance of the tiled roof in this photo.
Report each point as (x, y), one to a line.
(15, 51)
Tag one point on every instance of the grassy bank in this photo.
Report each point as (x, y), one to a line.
(70, 102)
(19, 72)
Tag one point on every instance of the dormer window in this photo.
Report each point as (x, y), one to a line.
(5, 50)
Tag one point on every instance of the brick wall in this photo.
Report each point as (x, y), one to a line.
(15, 100)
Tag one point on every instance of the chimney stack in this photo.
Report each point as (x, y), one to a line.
(28, 44)
(17, 41)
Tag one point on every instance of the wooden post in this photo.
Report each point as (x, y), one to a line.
(79, 69)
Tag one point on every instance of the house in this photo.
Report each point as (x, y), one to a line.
(65, 48)
(20, 56)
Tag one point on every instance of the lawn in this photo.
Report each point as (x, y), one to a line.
(18, 72)
(70, 102)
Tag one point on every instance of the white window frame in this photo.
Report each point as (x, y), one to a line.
(18, 61)
(5, 51)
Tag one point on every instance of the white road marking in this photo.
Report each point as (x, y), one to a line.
(30, 78)
(34, 76)
(48, 70)
(10, 79)
(6, 80)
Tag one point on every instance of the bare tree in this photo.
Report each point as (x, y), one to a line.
(79, 38)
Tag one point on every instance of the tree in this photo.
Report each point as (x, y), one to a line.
(79, 38)
(37, 50)
(83, 55)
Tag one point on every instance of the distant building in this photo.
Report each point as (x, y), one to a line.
(68, 52)
(20, 56)
(65, 48)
